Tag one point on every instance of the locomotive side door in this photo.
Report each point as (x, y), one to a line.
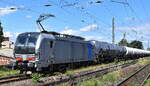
(46, 55)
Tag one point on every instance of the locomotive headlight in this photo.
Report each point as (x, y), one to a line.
(18, 58)
(30, 58)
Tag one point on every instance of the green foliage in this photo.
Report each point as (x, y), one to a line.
(70, 73)
(110, 77)
(144, 61)
(91, 82)
(6, 72)
(114, 77)
(136, 44)
(148, 49)
(147, 83)
(36, 77)
(123, 42)
(57, 73)
(101, 81)
(1, 34)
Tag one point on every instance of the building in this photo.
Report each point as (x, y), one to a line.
(5, 60)
(7, 43)
(6, 51)
(6, 56)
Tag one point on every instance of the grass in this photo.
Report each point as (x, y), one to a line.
(93, 67)
(63, 84)
(57, 73)
(91, 82)
(111, 78)
(101, 81)
(143, 61)
(70, 73)
(147, 83)
(36, 77)
(7, 72)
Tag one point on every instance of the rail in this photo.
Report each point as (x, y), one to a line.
(72, 80)
(13, 78)
(137, 78)
(148, 76)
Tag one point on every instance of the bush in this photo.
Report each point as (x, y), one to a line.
(70, 73)
(147, 83)
(4, 71)
(36, 77)
(109, 78)
(91, 82)
(57, 73)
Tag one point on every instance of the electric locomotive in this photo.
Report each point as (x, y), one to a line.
(40, 50)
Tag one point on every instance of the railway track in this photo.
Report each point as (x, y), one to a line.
(13, 78)
(74, 79)
(144, 82)
(138, 78)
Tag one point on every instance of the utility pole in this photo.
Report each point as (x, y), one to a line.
(148, 45)
(124, 35)
(113, 30)
(135, 33)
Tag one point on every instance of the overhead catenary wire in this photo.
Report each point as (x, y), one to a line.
(71, 14)
(127, 4)
(16, 7)
(82, 9)
(68, 12)
(77, 6)
(144, 9)
(133, 11)
(19, 7)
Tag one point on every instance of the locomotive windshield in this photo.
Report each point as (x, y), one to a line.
(25, 43)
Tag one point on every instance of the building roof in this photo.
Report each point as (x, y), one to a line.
(5, 38)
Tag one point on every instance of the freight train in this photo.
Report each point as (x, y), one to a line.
(36, 51)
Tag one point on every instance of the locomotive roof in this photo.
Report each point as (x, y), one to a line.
(63, 35)
(57, 35)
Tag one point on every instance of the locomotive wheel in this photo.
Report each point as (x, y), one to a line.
(22, 72)
(62, 68)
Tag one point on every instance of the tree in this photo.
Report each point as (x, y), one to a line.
(136, 44)
(148, 49)
(123, 42)
(1, 34)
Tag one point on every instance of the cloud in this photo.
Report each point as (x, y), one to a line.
(88, 28)
(8, 34)
(84, 29)
(139, 29)
(66, 27)
(7, 10)
(129, 18)
(28, 16)
(138, 32)
(94, 37)
(70, 32)
(11, 35)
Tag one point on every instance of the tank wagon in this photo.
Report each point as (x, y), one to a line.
(106, 51)
(37, 51)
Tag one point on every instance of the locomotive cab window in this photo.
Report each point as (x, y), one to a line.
(51, 44)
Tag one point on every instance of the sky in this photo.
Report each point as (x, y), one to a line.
(91, 19)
